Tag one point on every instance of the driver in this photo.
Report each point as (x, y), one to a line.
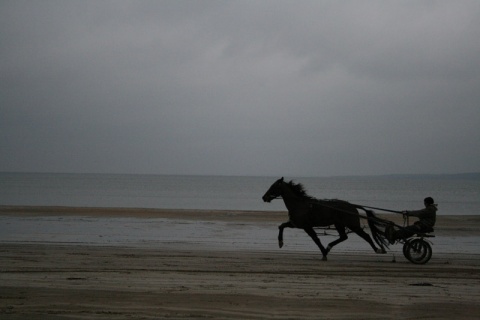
(426, 216)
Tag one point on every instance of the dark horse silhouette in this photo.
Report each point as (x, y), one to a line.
(306, 212)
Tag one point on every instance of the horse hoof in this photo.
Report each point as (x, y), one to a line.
(380, 251)
(324, 258)
(280, 244)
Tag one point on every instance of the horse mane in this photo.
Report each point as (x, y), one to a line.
(299, 190)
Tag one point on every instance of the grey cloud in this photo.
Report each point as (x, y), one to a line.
(261, 87)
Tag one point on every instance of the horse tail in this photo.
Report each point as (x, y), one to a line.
(377, 227)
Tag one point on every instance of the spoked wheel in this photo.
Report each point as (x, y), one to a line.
(417, 251)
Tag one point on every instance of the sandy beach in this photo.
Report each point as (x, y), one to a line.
(51, 280)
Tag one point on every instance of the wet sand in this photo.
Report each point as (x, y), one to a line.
(55, 281)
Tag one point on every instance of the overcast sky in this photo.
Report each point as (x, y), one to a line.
(304, 88)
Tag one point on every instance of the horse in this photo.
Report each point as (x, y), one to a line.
(306, 212)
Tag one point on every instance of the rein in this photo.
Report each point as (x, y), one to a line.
(381, 209)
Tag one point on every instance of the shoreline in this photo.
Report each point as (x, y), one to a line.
(147, 213)
(446, 224)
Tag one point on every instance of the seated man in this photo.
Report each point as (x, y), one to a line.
(427, 217)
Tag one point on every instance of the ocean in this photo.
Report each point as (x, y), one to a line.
(193, 234)
(455, 194)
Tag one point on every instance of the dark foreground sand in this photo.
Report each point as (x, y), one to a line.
(53, 281)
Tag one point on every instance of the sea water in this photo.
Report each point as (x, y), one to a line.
(171, 234)
(455, 194)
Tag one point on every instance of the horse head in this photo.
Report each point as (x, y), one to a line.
(274, 191)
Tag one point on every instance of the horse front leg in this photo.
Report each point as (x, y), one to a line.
(343, 237)
(311, 232)
(280, 232)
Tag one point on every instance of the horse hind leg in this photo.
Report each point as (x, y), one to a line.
(365, 236)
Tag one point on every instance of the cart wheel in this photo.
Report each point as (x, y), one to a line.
(417, 251)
